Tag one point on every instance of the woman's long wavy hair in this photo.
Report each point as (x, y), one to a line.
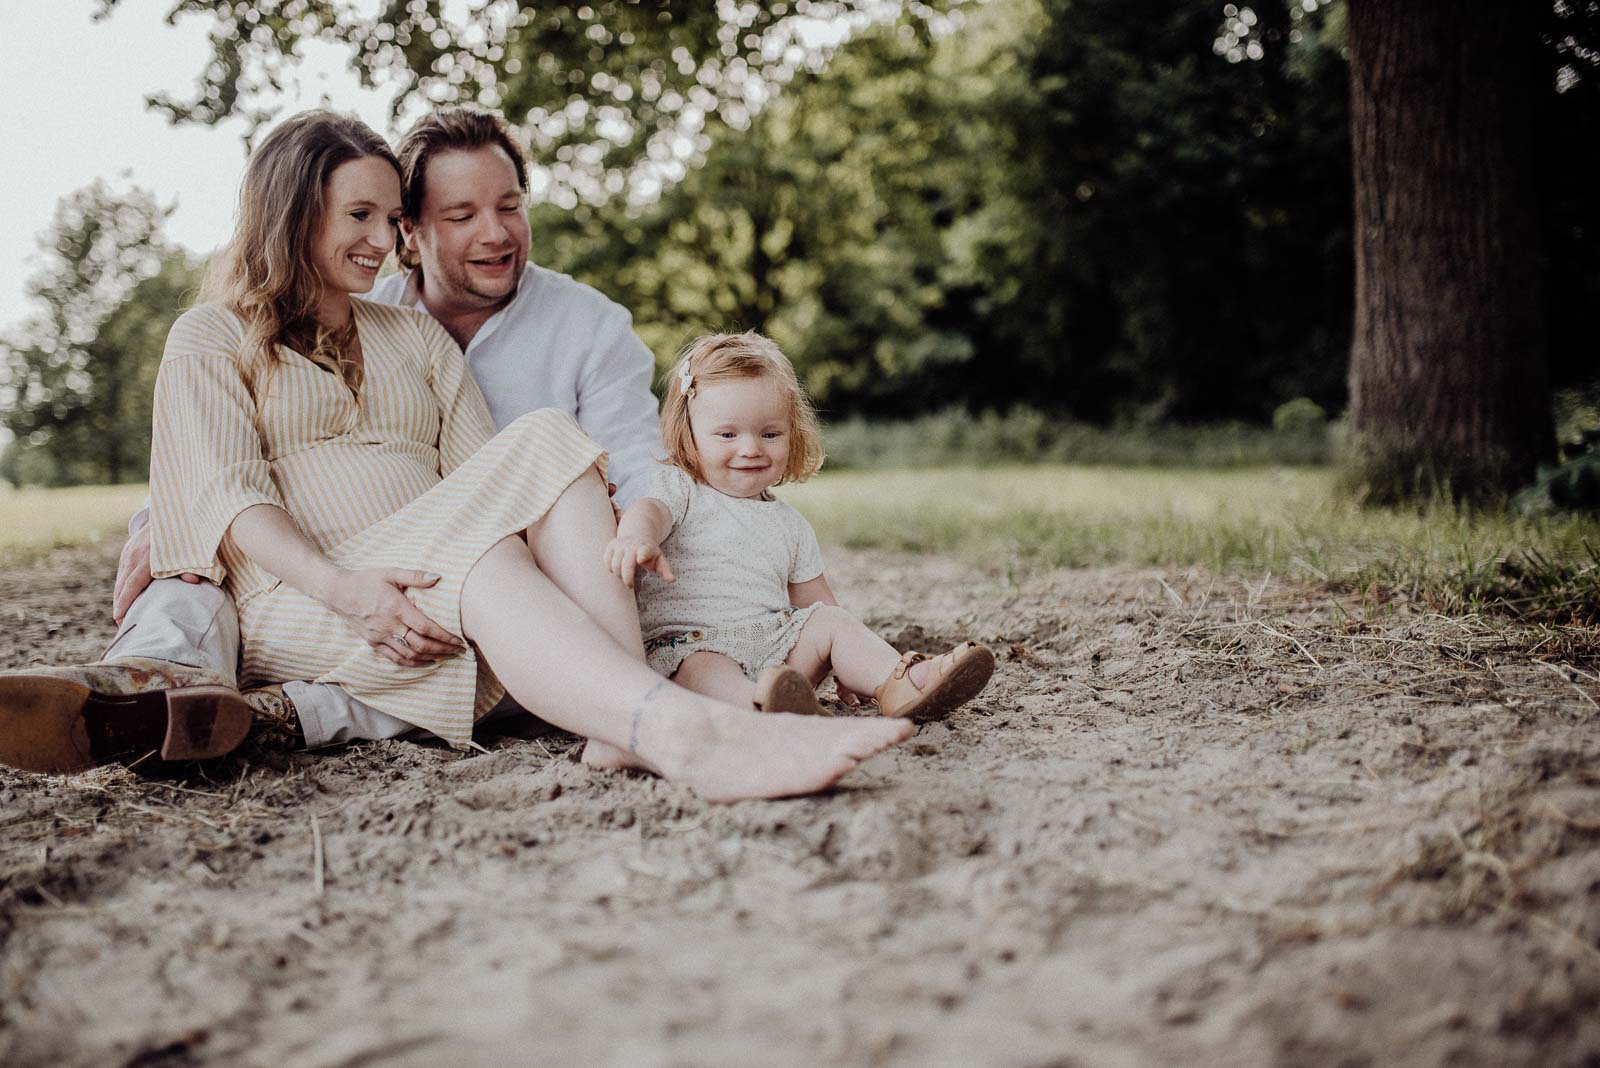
(267, 274)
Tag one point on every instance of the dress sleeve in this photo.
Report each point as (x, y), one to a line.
(207, 462)
(465, 425)
(672, 486)
(616, 407)
(805, 561)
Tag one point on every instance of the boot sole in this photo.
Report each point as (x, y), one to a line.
(55, 725)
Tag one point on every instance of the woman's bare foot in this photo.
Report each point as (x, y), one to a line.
(728, 754)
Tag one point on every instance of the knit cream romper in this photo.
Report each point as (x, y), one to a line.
(733, 559)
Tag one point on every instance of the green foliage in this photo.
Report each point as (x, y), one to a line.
(1572, 484)
(594, 81)
(1301, 417)
(79, 377)
(950, 219)
(817, 226)
(1026, 435)
(1171, 236)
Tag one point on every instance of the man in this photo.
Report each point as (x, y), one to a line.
(533, 339)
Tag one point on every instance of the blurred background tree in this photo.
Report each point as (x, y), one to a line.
(80, 376)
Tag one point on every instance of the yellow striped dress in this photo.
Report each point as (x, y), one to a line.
(412, 476)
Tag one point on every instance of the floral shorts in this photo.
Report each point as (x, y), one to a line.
(752, 646)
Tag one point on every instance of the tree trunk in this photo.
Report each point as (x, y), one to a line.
(1448, 388)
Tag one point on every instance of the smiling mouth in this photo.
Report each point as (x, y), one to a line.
(493, 262)
(366, 262)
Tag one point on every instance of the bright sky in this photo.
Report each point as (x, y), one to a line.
(72, 109)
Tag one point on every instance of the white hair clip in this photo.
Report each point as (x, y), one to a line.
(685, 381)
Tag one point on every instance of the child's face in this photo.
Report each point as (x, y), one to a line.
(741, 431)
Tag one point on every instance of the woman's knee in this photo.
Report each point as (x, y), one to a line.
(509, 553)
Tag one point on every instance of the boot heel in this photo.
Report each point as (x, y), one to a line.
(204, 722)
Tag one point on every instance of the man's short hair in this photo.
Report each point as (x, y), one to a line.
(452, 129)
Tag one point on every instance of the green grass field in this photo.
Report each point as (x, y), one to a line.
(1288, 521)
(33, 521)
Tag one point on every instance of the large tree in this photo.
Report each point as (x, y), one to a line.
(1448, 382)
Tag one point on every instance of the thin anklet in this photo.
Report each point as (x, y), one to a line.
(638, 715)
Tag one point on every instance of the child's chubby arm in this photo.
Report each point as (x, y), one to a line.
(817, 591)
(638, 542)
(811, 591)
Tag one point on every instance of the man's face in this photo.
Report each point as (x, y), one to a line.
(471, 230)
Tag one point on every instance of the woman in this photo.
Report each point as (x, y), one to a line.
(319, 456)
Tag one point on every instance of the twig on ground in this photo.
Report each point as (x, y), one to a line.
(1297, 643)
(1571, 821)
(1564, 678)
(173, 813)
(1568, 934)
(316, 855)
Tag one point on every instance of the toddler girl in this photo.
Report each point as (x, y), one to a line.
(737, 606)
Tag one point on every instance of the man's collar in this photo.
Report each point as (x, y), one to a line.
(411, 297)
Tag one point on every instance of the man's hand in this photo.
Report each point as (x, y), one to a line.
(627, 553)
(374, 605)
(133, 573)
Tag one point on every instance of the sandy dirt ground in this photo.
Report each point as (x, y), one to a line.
(1201, 820)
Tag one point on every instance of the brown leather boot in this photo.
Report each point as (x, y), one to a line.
(133, 711)
(277, 721)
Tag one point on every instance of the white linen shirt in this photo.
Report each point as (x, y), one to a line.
(562, 344)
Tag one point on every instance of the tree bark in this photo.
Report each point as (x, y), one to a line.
(1448, 387)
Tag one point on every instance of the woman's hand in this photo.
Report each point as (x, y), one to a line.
(627, 552)
(371, 602)
(133, 573)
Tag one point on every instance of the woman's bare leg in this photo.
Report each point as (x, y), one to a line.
(718, 676)
(563, 545)
(562, 665)
(566, 545)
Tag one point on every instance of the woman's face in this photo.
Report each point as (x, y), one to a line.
(361, 210)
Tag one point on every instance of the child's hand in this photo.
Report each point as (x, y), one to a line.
(626, 553)
(846, 694)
